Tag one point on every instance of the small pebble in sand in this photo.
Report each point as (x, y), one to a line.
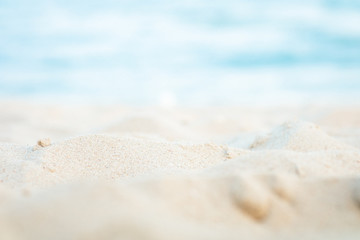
(44, 142)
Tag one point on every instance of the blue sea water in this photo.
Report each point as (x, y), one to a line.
(181, 52)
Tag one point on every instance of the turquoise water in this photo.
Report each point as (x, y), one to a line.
(181, 52)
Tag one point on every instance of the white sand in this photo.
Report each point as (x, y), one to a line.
(112, 172)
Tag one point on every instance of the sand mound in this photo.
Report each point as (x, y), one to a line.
(299, 136)
(295, 183)
(100, 156)
(302, 164)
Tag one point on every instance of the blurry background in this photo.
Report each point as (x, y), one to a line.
(181, 52)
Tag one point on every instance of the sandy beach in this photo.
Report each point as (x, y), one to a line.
(179, 120)
(120, 172)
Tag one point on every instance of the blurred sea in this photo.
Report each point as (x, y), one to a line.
(181, 52)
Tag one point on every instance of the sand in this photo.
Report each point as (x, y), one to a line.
(116, 172)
